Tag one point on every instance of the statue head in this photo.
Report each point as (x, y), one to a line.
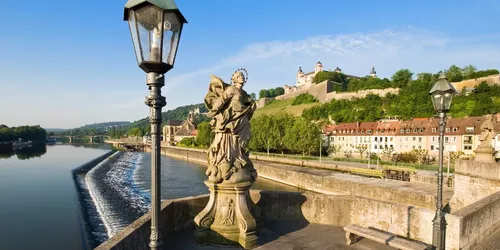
(239, 77)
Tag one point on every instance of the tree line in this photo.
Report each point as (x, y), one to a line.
(271, 92)
(284, 133)
(26, 133)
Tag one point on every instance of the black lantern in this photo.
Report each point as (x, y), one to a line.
(155, 26)
(442, 93)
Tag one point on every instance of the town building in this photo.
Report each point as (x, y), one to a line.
(175, 130)
(461, 134)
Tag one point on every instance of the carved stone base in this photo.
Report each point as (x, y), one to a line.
(227, 220)
(485, 154)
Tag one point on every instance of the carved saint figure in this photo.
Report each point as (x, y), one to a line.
(487, 132)
(231, 109)
(225, 215)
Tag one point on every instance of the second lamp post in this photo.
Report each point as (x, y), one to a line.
(155, 26)
(441, 93)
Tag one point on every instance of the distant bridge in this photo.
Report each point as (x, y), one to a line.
(71, 137)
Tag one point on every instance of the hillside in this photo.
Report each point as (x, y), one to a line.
(179, 113)
(283, 106)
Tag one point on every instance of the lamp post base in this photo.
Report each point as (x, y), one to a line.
(227, 220)
(439, 232)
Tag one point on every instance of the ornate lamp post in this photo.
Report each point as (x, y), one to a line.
(441, 93)
(155, 26)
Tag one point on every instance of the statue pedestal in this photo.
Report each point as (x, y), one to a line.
(227, 220)
(485, 154)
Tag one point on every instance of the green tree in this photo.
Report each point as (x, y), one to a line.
(454, 73)
(303, 137)
(253, 96)
(279, 91)
(264, 93)
(468, 72)
(402, 77)
(205, 134)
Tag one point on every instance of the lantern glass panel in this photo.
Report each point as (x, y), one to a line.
(148, 20)
(172, 32)
(437, 101)
(135, 36)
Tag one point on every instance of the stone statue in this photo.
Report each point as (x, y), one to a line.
(487, 133)
(231, 109)
(227, 218)
(485, 151)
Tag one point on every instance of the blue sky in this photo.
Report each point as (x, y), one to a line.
(69, 63)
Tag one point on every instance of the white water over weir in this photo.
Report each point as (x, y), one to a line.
(115, 197)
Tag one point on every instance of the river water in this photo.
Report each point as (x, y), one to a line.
(39, 204)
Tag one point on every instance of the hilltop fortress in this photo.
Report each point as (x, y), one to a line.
(324, 91)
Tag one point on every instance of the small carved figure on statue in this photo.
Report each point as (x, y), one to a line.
(231, 109)
(487, 133)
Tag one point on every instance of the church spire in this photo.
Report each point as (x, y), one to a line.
(373, 73)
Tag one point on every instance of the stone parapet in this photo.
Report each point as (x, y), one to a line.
(474, 180)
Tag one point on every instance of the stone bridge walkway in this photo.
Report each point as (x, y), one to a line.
(289, 235)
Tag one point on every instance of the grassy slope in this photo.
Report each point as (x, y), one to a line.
(283, 106)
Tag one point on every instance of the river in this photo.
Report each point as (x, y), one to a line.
(39, 204)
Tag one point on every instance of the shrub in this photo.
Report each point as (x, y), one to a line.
(188, 141)
(303, 99)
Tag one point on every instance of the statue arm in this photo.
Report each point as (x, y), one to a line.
(222, 100)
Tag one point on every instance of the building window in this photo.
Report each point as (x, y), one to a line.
(433, 130)
(419, 139)
(421, 130)
(432, 147)
(469, 129)
(447, 129)
(446, 139)
(413, 147)
(414, 138)
(414, 130)
(406, 138)
(467, 147)
(419, 147)
(368, 131)
(402, 131)
(455, 129)
(454, 138)
(407, 130)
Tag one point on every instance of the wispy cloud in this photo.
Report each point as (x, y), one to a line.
(390, 50)
(275, 63)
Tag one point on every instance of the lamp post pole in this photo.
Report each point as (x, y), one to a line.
(156, 102)
(439, 223)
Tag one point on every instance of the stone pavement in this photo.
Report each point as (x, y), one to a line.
(288, 235)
